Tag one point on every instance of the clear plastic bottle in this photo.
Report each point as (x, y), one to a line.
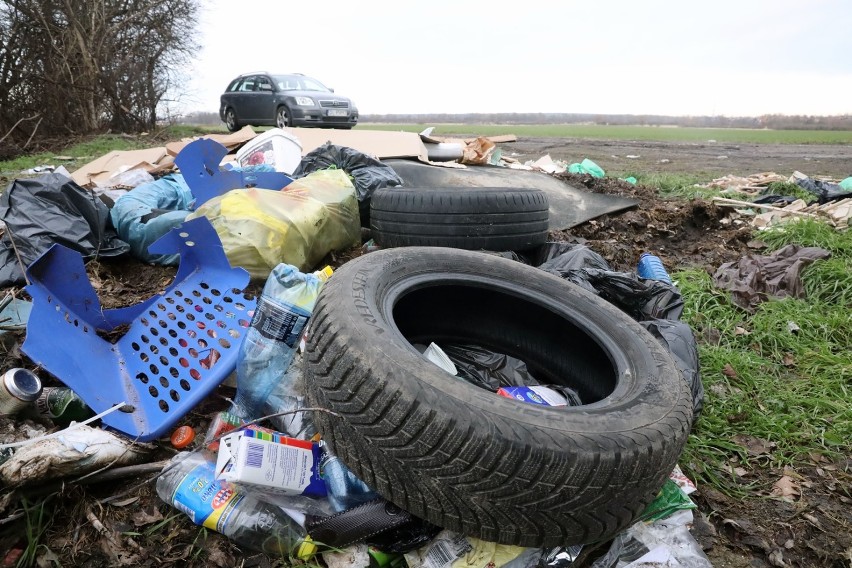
(288, 395)
(650, 267)
(283, 310)
(345, 490)
(189, 484)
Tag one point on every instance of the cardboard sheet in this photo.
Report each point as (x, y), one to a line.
(100, 170)
(377, 143)
(230, 141)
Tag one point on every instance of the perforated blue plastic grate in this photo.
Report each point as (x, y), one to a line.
(179, 346)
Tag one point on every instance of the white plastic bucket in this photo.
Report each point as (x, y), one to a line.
(274, 147)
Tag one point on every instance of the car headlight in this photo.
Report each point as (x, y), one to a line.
(304, 101)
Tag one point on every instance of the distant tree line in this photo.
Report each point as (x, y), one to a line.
(84, 66)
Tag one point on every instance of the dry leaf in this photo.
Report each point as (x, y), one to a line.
(754, 446)
(741, 331)
(143, 517)
(740, 471)
(776, 558)
(785, 488)
(124, 502)
(788, 360)
(729, 371)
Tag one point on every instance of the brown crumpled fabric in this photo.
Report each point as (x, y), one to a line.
(753, 278)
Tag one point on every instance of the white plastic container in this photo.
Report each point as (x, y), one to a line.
(275, 147)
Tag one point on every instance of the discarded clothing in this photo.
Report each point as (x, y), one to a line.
(753, 279)
(148, 212)
(50, 209)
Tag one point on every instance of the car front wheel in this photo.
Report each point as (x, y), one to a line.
(282, 117)
(231, 120)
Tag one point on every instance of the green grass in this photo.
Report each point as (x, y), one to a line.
(94, 147)
(37, 523)
(723, 135)
(789, 388)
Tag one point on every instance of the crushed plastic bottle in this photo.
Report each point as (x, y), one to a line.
(283, 310)
(189, 484)
(651, 267)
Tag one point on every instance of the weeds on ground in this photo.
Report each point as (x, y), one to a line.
(81, 153)
(781, 375)
(37, 523)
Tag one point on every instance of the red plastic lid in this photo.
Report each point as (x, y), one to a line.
(182, 437)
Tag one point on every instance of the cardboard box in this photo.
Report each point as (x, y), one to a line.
(271, 462)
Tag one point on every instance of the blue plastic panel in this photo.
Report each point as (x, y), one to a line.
(179, 345)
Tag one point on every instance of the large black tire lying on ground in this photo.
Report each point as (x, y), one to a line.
(473, 218)
(463, 457)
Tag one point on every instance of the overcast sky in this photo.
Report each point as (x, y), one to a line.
(732, 58)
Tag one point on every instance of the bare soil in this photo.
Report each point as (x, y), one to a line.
(708, 159)
(813, 531)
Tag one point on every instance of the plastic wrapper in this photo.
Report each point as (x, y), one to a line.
(560, 557)
(79, 450)
(299, 225)
(670, 499)
(824, 191)
(405, 538)
(149, 211)
(450, 549)
(667, 542)
(47, 210)
(587, 167)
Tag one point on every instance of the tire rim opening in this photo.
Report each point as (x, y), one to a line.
(556, 351)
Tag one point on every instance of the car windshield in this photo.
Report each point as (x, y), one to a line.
(299, 83)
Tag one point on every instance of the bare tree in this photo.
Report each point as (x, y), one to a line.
(82, 66)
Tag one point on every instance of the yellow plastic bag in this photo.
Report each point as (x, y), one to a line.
(298, 225)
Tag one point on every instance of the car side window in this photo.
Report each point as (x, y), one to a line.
(248, 84)
(263, 84)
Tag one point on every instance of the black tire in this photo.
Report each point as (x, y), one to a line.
(231, 121)
(462, 457)
(282, 117)
(473, 218)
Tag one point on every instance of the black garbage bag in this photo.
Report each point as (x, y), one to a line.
(636, 296)
(678, 337)
(559, 258)
(825, 191)
(491, 370)
(51, 209)
(655, 304)
(368, 174)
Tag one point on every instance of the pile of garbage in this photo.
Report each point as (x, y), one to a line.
(274, 472)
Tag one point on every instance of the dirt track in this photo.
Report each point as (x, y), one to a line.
(708, 159)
